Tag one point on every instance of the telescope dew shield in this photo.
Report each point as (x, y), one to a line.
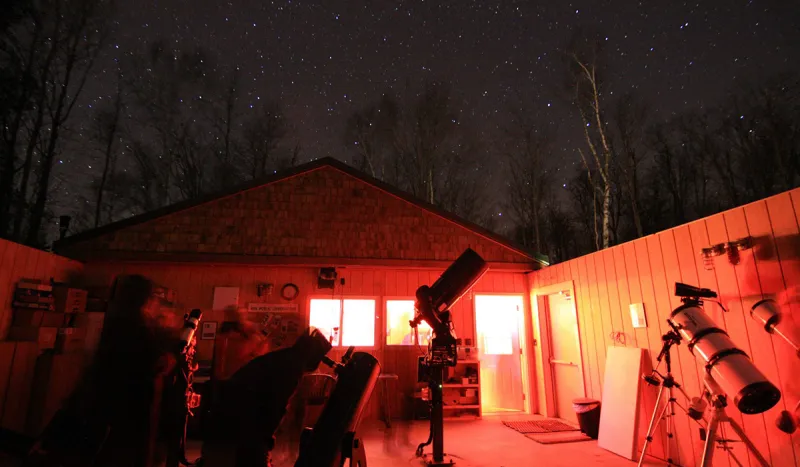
(342, 412)
(457, 280)
(768, 313)
(729, 366)
(190, 324)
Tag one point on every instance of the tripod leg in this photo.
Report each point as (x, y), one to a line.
(670, 424)
(711, 437)
(651, 429)
(748, 443)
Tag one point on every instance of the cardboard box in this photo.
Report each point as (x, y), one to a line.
(70, 300)
(70, 340)
(33, 306)
(37, 318)
(93, 325)
(46, 337)
(21, 296)
(96, 305)
(34, 284)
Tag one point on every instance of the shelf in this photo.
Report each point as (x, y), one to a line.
(468, 362)
(445, 386)
(456, 407)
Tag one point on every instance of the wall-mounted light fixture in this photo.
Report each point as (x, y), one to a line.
(264, 289)
(731, 249)
(327, 278)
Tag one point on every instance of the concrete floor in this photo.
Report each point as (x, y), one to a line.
(477, 443)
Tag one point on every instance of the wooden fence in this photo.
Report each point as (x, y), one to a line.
(645, 270)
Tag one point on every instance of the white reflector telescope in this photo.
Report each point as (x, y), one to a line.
(728, 365)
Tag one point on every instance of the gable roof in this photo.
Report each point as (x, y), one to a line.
(82, 244)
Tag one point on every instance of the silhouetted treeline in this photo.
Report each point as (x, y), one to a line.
(174, 123)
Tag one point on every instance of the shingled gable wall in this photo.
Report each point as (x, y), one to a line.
(321, 213)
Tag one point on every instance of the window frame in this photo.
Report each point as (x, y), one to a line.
(386, 299)
(377, 322)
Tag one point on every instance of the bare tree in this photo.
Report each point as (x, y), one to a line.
(107, 122)
(529, 148)
(223, 117)
(583, 56)
(48, 53)
(370, 132)
(263, 133)
(630, 121)
(428, 138)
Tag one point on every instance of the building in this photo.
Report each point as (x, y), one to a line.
(547, 334)
(381, 243)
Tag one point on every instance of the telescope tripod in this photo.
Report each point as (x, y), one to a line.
(667, 412)
(719, 416)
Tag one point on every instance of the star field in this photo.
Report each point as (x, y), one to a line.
(324, 60)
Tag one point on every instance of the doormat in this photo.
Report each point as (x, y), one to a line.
(558, 438)
(540, 426)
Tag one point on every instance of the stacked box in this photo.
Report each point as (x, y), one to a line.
(69, 299)
(45, 314)
(33, 295)
(45, 336)
(70, 339)
(98, 298)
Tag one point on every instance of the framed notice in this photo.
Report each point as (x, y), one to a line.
(208, 330)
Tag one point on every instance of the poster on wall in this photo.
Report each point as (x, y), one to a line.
(281, 324)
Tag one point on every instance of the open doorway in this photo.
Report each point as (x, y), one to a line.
(499, 322)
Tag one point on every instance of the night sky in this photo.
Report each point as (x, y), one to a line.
(326, 59)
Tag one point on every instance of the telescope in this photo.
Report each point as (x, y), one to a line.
(334, 436)
(768, 313)
(729, 366)
(189, 329)
(433, 305)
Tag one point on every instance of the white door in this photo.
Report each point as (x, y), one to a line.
(565, 354)
(497, 321)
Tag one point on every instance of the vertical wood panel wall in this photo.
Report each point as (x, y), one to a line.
(21, 262)
(645, 270)
(194, 286)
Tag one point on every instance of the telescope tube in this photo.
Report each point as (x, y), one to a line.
(342, 412)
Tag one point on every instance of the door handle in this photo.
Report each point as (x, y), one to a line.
(562, 362)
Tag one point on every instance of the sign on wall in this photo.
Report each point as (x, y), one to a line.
(208, 330)
(272, 308)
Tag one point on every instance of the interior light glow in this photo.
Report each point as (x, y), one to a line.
(358, 323)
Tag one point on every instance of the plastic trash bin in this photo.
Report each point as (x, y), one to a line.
(588, 411)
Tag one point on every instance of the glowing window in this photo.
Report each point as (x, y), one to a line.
(358, 323)
(346, 322)
(326, 316)
(398, 331)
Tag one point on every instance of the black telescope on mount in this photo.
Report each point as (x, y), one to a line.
(433, 305)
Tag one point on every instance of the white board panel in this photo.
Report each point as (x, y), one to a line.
(619, 413)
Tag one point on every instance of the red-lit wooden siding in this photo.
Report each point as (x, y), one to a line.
(645, 270)
(21, 262)
(194, 286)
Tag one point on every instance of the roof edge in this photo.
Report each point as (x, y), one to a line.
(293, 172)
